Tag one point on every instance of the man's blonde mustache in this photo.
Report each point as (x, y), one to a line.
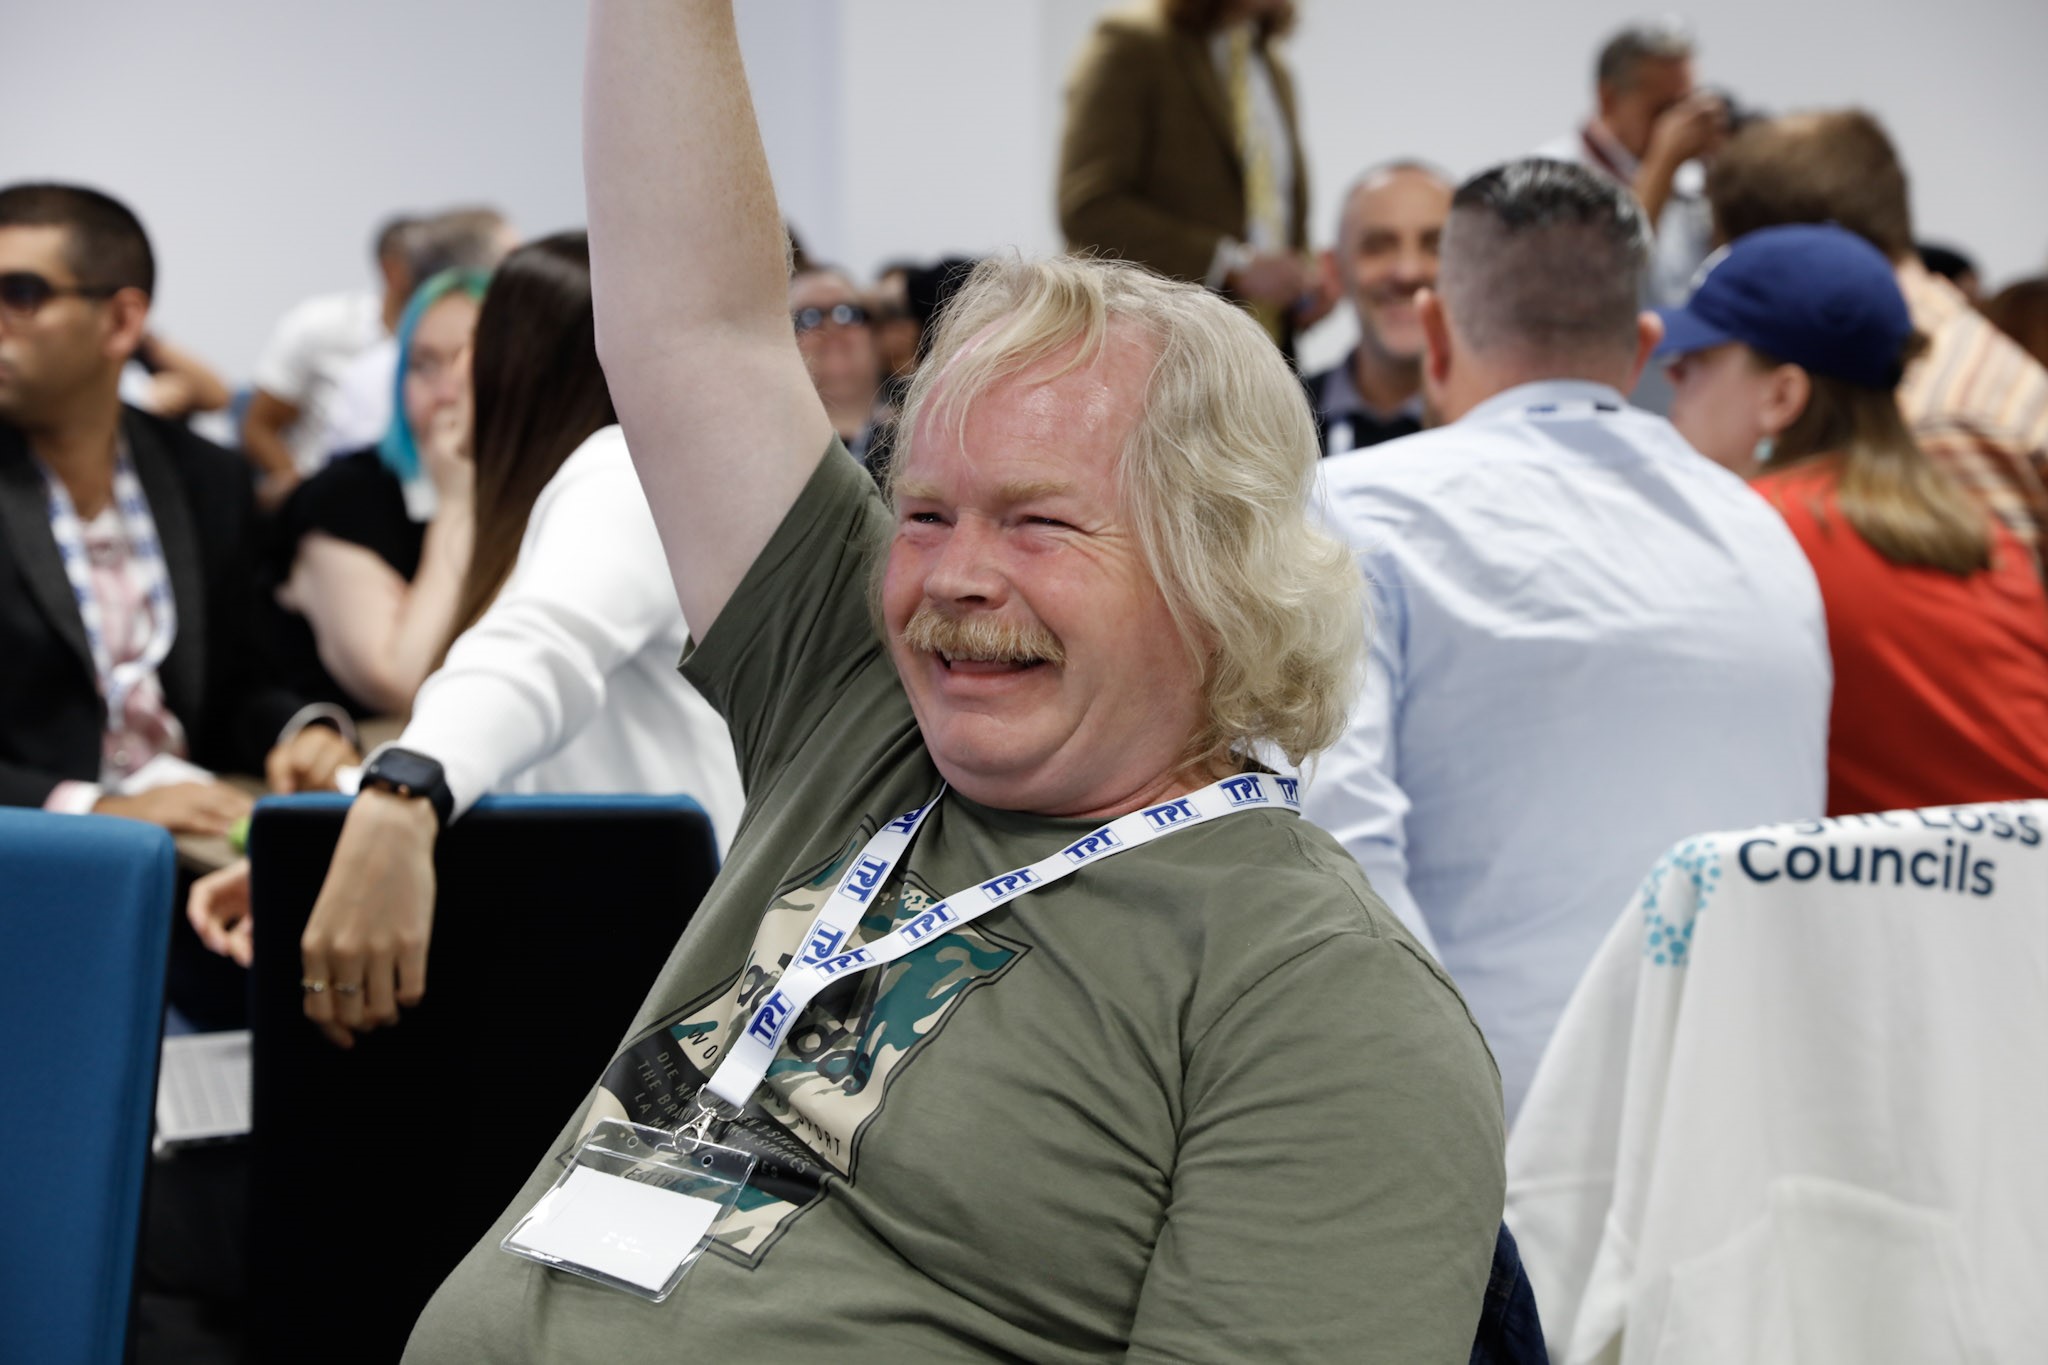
(981, 636)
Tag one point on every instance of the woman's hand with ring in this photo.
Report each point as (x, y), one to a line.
(367, 936)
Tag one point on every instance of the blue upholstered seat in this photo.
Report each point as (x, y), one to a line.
(85, 918)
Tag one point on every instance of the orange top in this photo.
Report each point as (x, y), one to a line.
(1941, 682)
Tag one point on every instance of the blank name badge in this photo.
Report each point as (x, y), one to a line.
(634, 1209)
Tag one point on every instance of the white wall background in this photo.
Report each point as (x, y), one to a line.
(262, 139)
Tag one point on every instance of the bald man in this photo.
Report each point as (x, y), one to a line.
(1385, 255)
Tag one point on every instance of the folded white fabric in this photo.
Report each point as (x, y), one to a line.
(164, 770)
(1795, 1108)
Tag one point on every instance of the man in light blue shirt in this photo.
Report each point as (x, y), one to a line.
(1589, 641)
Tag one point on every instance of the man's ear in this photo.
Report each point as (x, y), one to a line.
(1436, 340)
(1649, 331)
(127, 319)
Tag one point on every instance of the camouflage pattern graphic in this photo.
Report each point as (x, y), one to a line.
(833, 1071)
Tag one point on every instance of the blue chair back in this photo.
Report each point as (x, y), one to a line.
(85, 920)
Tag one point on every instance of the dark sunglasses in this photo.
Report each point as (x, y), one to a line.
(23, 292)
(841, 314)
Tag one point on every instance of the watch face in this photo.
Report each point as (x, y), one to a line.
(415, 772)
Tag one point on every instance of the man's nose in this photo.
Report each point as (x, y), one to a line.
(1415, 266)
(967, 568)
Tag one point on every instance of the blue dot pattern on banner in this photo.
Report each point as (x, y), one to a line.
(1666, 940)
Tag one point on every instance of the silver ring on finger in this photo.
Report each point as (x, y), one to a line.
(311, 985)
(348, 988)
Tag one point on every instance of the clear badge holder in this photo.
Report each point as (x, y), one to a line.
(634, 1208)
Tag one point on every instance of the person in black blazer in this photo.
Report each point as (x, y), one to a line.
(75, 280)
(52, 715)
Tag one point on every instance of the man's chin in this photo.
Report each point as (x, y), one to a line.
(1399, 345)
(1001, 781)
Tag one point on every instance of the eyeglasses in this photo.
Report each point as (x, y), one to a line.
(839, 314)
(23, 293)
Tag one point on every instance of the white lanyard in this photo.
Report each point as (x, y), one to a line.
(146, 558)
(819, 962)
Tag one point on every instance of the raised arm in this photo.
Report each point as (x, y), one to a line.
(689, 279)
(181, 383)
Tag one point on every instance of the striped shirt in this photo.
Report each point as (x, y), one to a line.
(1978, 404)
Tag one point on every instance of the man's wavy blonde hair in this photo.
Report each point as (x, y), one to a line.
(1217, 478)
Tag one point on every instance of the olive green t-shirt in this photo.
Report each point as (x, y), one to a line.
(1203, 1101)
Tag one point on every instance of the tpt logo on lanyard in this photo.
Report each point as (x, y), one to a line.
(638, 1205)
(746, 1062)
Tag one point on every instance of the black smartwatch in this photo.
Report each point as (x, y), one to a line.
(412, 774)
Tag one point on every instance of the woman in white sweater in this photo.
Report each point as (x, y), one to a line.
(567, 680)
(562, 673)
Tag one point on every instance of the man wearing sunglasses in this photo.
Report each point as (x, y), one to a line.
(125, 551)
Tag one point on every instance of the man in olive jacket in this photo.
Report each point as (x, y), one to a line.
(1182, 152)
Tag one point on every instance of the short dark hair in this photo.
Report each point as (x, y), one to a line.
(391, 234)
(105, 244)
(466, 238)
(1623, 55)
(1544, 258)
(928, 289)
(1945, 261)
(1833, 167)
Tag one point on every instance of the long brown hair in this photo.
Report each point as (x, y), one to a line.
(1901, 502)
(540, 393)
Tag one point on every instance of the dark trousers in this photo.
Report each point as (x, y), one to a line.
(1509, 1332)
(209, 990)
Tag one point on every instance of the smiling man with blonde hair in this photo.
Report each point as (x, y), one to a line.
(1059, 1036)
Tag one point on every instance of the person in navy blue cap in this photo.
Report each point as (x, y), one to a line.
(1785, 365)
(1777, 314)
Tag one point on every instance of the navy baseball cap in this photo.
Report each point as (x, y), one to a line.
(1814, 294)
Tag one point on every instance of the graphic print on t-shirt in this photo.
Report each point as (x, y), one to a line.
(833, 1072)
